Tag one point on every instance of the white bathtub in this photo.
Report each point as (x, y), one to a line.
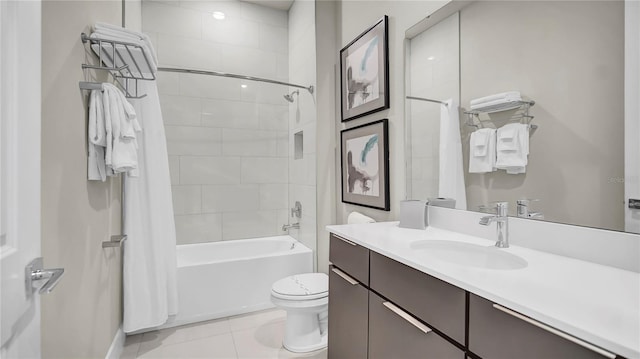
(221, 279)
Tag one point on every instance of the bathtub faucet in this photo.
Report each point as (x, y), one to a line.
(286, 227)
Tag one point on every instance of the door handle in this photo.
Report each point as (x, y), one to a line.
(35, 273)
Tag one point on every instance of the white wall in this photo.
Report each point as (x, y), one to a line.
(82, 315)
(302, 118)
(353, 18)
(228, 146)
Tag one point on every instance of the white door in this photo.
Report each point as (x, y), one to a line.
(632, 114)
(19, 175)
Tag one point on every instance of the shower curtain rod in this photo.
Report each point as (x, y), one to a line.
(426, 99)
(225, 74)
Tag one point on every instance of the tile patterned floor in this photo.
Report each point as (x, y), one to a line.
(256, 335)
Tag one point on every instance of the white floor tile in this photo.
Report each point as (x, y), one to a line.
(131, 346)
(254, 320)
(184, 333)
(265, 342)
(215, 347)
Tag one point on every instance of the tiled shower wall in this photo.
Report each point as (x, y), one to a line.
(228, 144)
(302, 118)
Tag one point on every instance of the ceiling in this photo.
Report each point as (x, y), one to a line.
(275, 4)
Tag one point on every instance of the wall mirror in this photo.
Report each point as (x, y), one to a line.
(568, 57)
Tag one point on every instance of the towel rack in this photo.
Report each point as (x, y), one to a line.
(522, 113)
(131, 70)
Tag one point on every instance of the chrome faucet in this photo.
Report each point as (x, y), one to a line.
(524, 209)
(286, 227)
(502, 223)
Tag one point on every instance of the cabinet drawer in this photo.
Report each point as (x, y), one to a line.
(348, 317)
(438, 303)
(393, 333)
(496, 332)
(350, 257)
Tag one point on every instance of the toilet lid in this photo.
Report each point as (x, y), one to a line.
(302, 287)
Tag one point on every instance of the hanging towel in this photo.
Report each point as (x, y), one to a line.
(482, 151)
(97, 138)
(150, 293)
(121, 116)
(512, 148)
(451, 183)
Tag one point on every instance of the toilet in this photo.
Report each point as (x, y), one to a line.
(305, 297)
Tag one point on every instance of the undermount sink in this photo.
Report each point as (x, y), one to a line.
(471, 255)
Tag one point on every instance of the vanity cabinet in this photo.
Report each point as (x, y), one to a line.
(348, 316)
(496, 332)
(395, 333)
(380, 308)
(432, 300)
(348, 299)
(350, 258)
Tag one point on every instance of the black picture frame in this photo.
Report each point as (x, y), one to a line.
(357, 93)
(356, 179)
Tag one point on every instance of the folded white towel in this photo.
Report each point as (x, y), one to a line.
(512, 148)
(357, 217)
(482, 151)
(504, 96)
(106, 28)
(97, 138)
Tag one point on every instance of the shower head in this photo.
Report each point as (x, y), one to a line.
(289, 97)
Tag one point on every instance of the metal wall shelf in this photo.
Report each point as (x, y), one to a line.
(126, 62)
(521, 115)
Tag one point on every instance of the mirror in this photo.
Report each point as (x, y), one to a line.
(568, 57)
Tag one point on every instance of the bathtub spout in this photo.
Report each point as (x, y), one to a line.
(286, 227)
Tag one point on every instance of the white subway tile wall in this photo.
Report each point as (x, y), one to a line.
(227, 138)
(302, 117)
(230, 146)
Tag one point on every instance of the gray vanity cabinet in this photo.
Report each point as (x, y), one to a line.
(496, 334)
(436, 302)
(350, 258)
(394, 333)
(348, 300)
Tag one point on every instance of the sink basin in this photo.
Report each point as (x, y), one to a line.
(471, 255)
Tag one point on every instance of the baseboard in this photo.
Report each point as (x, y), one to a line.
(117, 345)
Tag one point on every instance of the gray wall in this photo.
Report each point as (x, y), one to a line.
(81, 316)
(569, 58)
(353, 18)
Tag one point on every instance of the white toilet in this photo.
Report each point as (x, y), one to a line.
(305, 297)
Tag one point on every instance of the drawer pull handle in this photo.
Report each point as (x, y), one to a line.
(344, 276)
(406, 316)
(345, 240)
(551, 330)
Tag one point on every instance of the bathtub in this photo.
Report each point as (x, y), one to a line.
(221, 279)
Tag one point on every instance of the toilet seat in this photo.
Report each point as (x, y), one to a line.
(300, 287)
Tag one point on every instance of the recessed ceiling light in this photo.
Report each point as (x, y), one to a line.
(431, 58)
(218, 15)
(243, 86)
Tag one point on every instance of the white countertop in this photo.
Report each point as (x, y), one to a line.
(596, 303)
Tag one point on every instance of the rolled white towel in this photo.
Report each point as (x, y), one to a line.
(357, 217)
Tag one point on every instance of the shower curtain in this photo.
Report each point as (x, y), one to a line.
(150, 266)
(451, 168)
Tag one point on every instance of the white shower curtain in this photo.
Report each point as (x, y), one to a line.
(149, 273)
(451, 183)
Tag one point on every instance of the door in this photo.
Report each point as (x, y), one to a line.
(632, 114)
(19, 175)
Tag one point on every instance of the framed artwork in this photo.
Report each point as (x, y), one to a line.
(365, 165)
(364, 72)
